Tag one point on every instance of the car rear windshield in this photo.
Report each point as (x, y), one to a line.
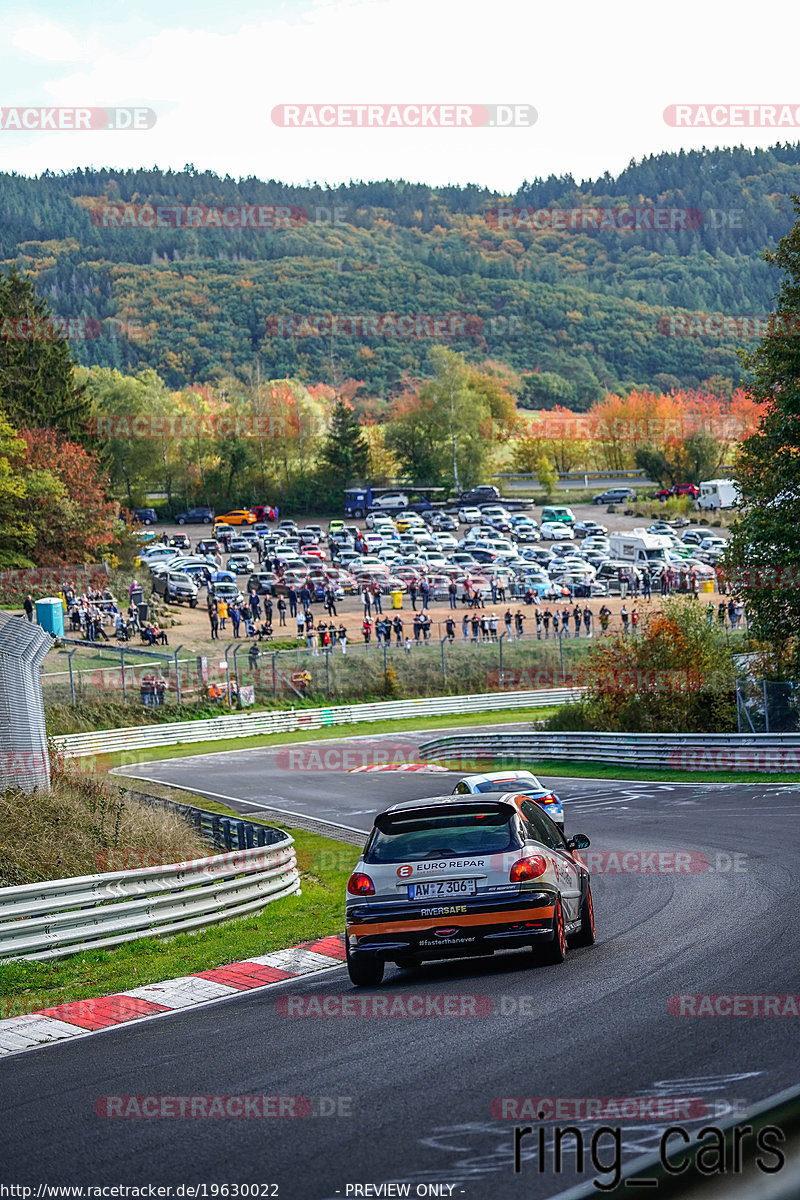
(505, 785)
(411, 836)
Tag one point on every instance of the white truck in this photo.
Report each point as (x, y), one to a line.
(718, 493)
(640, 548)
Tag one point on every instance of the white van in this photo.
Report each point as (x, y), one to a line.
(640, 548)
(718, 493)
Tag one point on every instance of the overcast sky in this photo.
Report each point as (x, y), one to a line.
(598, 74)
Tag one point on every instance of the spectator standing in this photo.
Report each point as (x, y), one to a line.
(343, 638)
(412, 591)
(710, 613)
(366, 601)
(424, 592)
(28, 606)
(624, 617)
(222, 609)
(634, 621)
(397, 625)
(556, 619)
(507, 621)
(493, 627)
(292, 594)
(305, 597)
(565, 615)
(587, 620)
(547, 617)
(213, 616)
(330, 602)
(377, 601)
(452, 592)
(366, 629)
(450, 629)
(519, 621)
(475, 625)
(465, 627)
(282, 610)
(300, 617)
(646, 584)
(236, 619)
(538, 624)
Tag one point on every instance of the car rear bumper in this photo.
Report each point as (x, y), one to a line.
(452, 929)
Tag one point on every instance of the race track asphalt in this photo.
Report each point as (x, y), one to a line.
(412, 1096)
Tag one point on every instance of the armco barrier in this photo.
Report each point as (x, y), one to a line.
(678, 752)
(250, 724)
(91, 912)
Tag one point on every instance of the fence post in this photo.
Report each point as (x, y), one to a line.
(504, 634)
(71, 679)
(561, 652)
(275, 654)
(766, 708)
(122, 671)
(237, 648)
(177, 674)
(327, 671)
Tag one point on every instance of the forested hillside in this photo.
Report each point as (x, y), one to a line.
(577, 309)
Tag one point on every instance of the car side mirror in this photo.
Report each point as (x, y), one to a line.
(579, 842)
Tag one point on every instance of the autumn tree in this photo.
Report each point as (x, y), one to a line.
(76, 525)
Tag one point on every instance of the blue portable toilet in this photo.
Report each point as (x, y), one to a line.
(50, 615)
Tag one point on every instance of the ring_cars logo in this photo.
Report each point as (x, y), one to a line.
(404, 871)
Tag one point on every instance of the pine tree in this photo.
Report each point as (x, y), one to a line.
(764, 554)
(37, 387)
(345, 453)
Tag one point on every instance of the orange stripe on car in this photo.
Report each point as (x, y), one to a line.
(455, 919)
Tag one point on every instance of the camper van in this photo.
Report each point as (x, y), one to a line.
(640, 548)
(718, 493)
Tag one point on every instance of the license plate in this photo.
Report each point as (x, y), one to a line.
(444, 887)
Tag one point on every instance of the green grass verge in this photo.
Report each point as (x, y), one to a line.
(358, 729)
(325, 866)
(583, 770)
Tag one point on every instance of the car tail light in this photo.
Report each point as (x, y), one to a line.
(549, 799)
(360, 885)
(528, 868)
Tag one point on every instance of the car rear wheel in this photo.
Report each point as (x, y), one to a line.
(365, 970)
(586, 935)
(555, 951)
(181, 520)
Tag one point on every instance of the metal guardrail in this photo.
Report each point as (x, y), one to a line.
(91, 912)
(677, 752)
(251, 724)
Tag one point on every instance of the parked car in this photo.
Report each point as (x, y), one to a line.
(225, 589)
(679, 489)
(195, 516)
(556, 531)
(484, 493)
(617, 495)
(470, 515)
(145, 516)
(584, 529)
(240, 564)
(239, 516)
(175, 585)
(181, 541)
